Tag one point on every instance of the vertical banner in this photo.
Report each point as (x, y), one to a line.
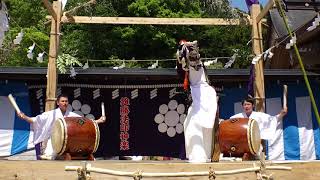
(124, 124)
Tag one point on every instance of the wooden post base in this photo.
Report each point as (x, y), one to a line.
(215, 157)
(216, 147)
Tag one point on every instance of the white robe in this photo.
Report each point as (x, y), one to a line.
(198, 126)
(267, 123)
(42, 127)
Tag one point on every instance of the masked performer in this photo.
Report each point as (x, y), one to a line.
(198, 126)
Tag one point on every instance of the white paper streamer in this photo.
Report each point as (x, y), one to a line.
(30, 51)
(18, 38)
(123, 65)
(315, 23)
(154, 65)
(40, 57)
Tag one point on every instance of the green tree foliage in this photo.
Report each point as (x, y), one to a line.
(217, 8)
(28, 16)
(118, 42)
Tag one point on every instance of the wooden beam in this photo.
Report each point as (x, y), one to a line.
(265, 10)
(53, 53)
(48, 5)
(154, 21)
(259, 91)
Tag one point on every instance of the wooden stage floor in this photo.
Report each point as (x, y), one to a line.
(55, 170)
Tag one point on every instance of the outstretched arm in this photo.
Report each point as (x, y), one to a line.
(284, 110)
(21, 115)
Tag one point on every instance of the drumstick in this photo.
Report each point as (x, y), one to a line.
(285, 94)
(13, 102)
(102, 109)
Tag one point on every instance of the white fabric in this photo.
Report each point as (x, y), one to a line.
(7, 130)
(43, 124)
(6, 126)
(306, 137)
(200, 119)
(6, 137)
(204, 100)
(267, 123)
(275, 145)
(198, 141)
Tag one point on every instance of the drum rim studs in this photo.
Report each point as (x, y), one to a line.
(234, 120)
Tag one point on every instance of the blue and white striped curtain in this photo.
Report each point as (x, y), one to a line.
(15, 134)
(297, 137)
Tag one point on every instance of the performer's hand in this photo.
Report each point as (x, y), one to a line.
(21, 115)
(284, 111)
(102, 119)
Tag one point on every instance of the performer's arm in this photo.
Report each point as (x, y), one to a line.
(282, 113)
(102, 119)
(21, 115)
(284, 110)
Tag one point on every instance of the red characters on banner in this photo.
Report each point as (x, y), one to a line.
(124, 123)
(124, 110)
(124, 101)
(124, 127)
(124, 135)
(124, 145)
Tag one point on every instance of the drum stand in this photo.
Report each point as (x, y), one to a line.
(68, 157)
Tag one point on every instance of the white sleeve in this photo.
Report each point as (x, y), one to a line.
(239, 115)
(41, 127)
(39, 121)
(267, 126)
(72, 114)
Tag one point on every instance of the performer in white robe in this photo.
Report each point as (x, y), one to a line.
(42, 125)
(198, 126)
(42, 128)
(267, 123)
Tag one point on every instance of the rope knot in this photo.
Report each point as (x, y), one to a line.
(212, 174)
(137, 175)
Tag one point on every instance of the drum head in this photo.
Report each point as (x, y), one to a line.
(59, 136)
(254, 139)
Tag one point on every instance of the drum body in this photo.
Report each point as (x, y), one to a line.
(78, 136)
(239, 136)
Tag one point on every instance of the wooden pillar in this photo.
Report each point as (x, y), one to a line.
(259, 92)
(53, 53)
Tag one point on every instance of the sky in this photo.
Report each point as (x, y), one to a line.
(241, 4)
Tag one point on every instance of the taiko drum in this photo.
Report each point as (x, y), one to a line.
(78, 136)
(239, 136)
